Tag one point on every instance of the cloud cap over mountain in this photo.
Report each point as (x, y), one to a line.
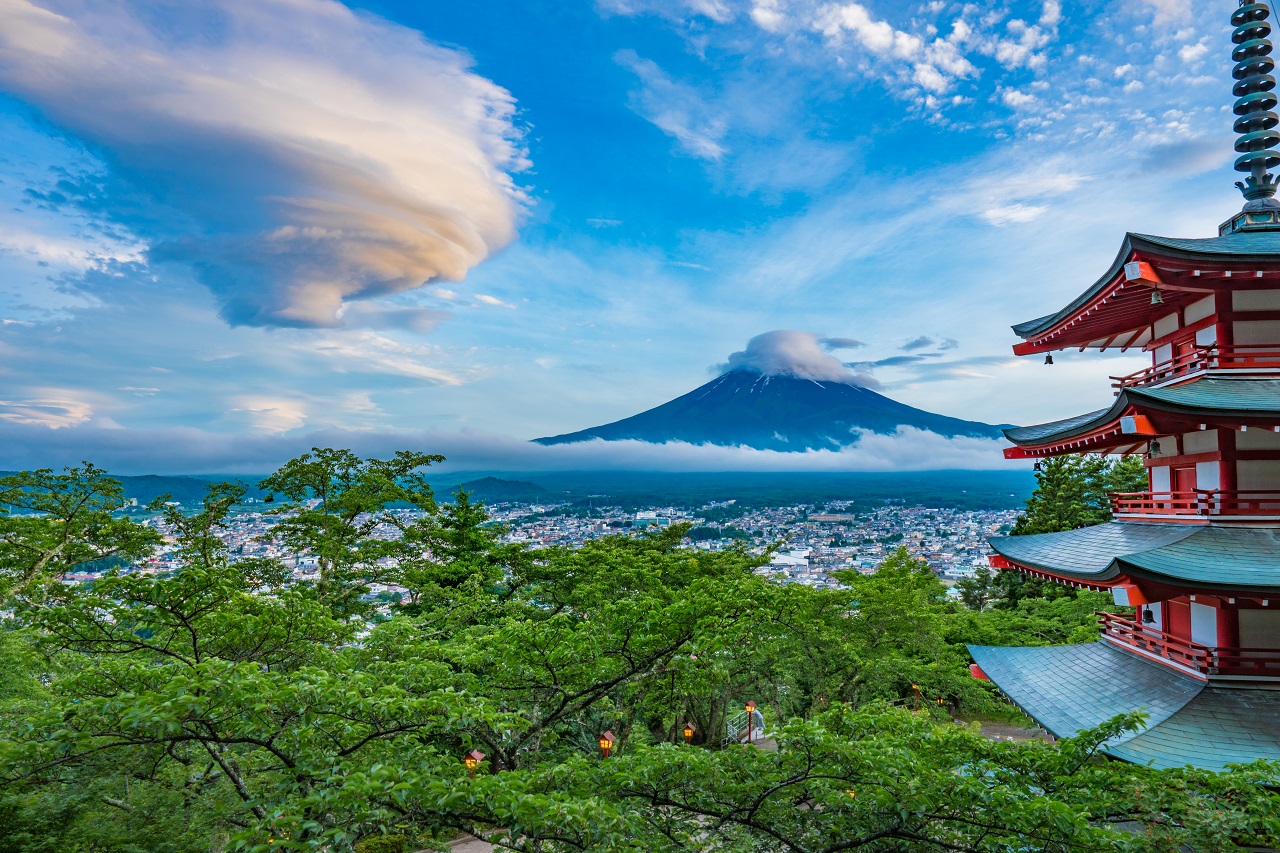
(804, 355)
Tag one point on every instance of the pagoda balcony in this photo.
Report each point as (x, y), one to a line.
(1207, 660)
(1240, 359)
(1209, 504)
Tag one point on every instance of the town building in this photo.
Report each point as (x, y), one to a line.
(1197, 555)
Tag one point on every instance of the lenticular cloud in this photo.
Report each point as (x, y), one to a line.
(304, 154)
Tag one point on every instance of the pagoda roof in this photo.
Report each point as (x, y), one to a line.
(1209, 397)
(1068, 689)
(1130, 309)
(1209, 557)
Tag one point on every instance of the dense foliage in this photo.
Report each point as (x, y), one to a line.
(229, 706)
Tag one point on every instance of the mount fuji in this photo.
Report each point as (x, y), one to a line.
(751, 407)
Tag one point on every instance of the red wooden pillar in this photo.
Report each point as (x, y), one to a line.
(1228, 626)
(1228, 480)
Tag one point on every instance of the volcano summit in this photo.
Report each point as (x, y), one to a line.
(783, 393)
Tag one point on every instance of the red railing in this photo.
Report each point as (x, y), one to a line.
(1209, 660)
(1199, 502)
(1264, 358)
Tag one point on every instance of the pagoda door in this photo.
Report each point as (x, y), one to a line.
(1183, 481)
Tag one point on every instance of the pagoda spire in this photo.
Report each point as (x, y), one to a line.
(1255, 101)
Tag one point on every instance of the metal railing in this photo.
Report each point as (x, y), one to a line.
(1198, 502)
(1259, 358)
(735, 726)
(1209, 660)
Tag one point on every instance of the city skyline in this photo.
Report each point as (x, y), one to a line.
(233, 230)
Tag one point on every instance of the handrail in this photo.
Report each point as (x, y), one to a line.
(1210, 660)
(1211, 357)
(1202, 502)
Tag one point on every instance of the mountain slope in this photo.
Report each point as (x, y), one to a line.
(774, 412)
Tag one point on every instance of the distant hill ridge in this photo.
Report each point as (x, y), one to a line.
(497, 490)
(775, 412)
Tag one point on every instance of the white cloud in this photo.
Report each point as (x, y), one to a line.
(1004, 214)
(188, 450)
(370, 352)
(933, 65)
(1191, 52)
(271, 414)
(675, 10)
(307, 154)
(50, 408)
(675, 109)
(494, 301)
(1168, 11)
(1016, 99)
(786, 352)
(768, 15)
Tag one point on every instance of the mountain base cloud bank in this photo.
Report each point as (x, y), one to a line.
(189, 450)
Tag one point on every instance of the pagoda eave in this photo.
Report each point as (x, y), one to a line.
(1159, 559)
(1115, 312)
(1141, 414)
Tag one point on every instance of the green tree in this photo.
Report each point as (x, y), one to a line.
(51, 523)
(1071, 492)
(456, 545)
(336, 501)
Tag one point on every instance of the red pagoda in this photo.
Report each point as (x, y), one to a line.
(1197, 555)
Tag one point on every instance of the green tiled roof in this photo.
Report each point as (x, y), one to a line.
(1218, 394)
(1067, 426)
(1242, 246)
(1211, 556)
(1070, 688)
(1233, 396)
(1221, 725)
(1232, 556)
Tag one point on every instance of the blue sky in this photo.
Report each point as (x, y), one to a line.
(231, 229)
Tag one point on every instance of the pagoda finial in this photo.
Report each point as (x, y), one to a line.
(1255, 100)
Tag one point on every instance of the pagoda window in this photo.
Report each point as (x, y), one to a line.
(1255, 300)
(1204, 624)
(1260, 629)
(1160, 481)
(1208, 476)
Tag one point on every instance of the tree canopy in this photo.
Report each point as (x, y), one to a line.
(230, 704)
